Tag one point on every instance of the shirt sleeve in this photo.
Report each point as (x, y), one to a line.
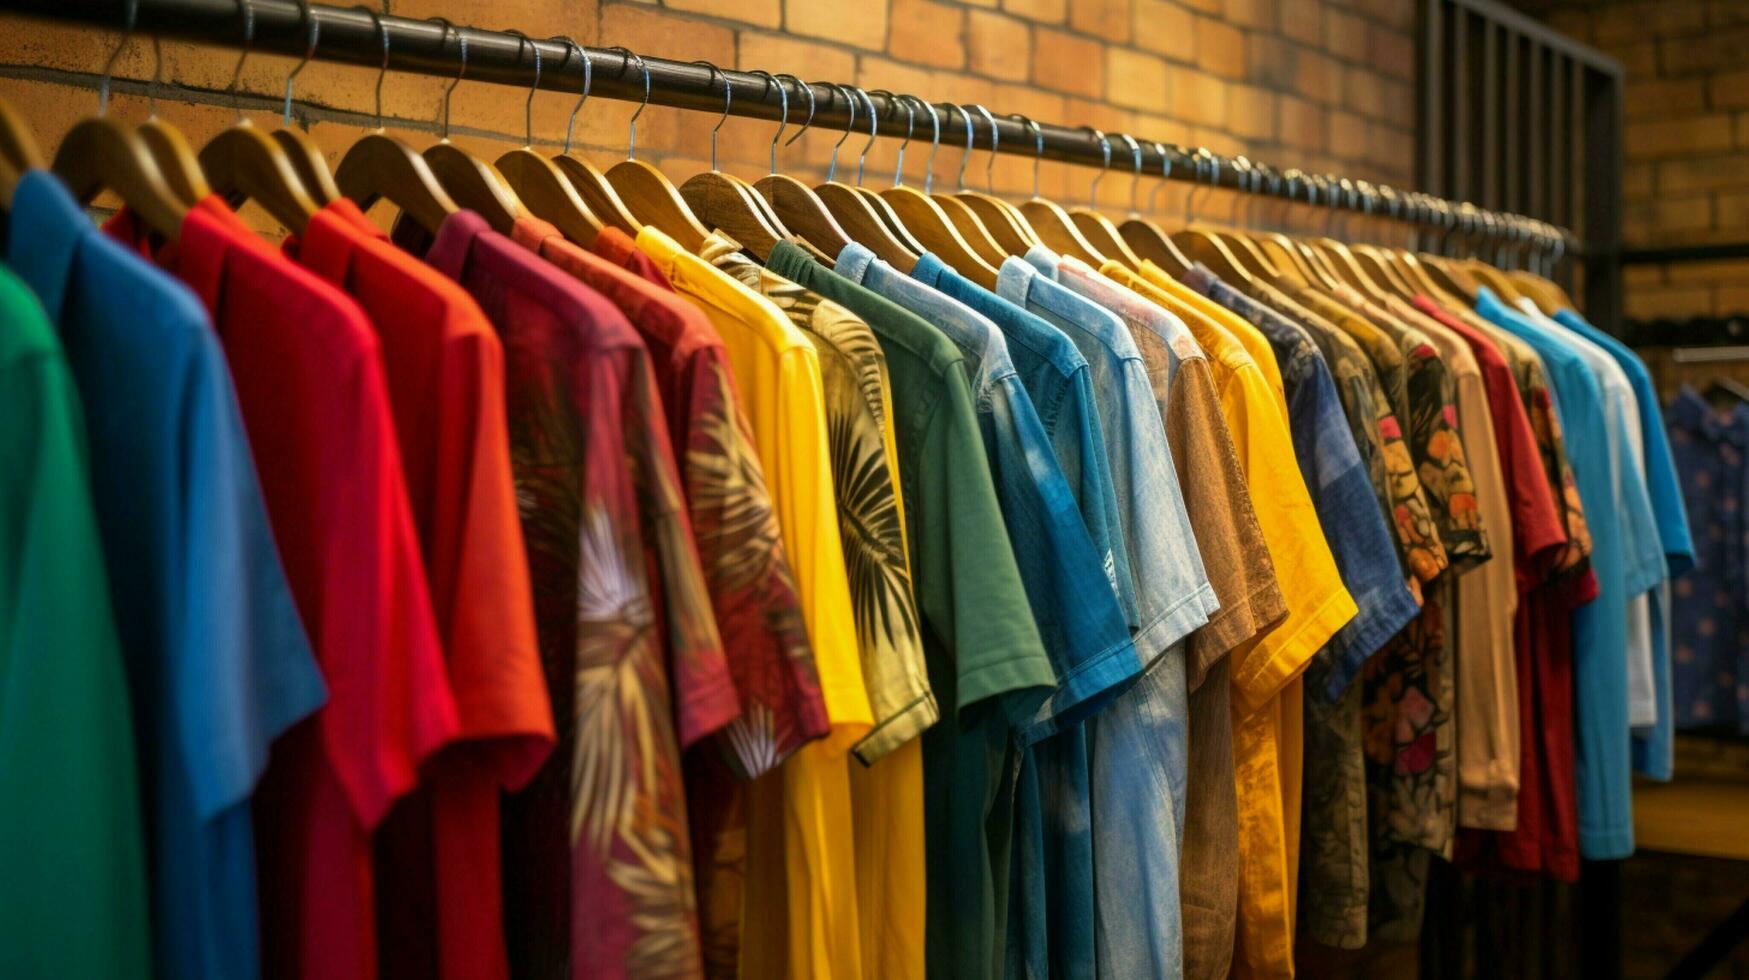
(969, 589)
(250, 673)
(1318, 604)
(1080, 446)
(1219, 505)
(1073, 606)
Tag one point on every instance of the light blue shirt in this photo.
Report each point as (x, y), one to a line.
(217, 659)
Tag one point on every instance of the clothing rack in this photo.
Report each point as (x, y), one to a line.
(432, 47)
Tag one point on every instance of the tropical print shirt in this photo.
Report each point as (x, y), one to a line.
(619, 595)
(871, 512)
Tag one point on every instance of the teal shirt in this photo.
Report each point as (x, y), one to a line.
(982, 647)
(72, 857)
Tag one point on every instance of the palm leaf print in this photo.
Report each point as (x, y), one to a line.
(868, 521)
(725, 480)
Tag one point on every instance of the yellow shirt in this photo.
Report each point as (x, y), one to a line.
(796, 858)
(1266, 721)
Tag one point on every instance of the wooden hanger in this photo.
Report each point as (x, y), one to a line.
(99, 153)
(472, 182)
(1053, 226)
(856, 213)
(725, 203)
(1146, 238)
(306, 158)
(586, 179)
(1196, 241)
(243, 163)
(927, 222)
(797, 207)
(539, 184)
(1096, 228)
(650, 195)
(381, 167)
(957, 217)
(1008, 228)
(18, 152)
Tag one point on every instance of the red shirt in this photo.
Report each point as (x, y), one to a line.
(1545, 839)
(618, 597)
(445, 371)
(309, 376)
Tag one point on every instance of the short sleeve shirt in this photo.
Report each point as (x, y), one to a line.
(979, 636)
(619, 595)
(217, 659)
(73, 891)
(309, 377)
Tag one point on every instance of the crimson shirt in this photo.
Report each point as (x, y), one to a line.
(439, 898)
(618, 597)
(309, 377)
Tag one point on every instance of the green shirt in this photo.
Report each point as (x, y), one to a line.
(72, 859)
(983, 650)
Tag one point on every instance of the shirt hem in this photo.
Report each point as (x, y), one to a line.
(1238, 622)
(904, 725)
(1371, 638)
(1084, 691)
(1035, 677)
(1608, 844)
(1488, 808)
(1178, 621)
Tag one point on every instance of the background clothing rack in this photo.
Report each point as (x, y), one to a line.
(350, 35)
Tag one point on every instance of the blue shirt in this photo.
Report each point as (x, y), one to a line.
(1653, 749)
(1600, 628)
(1341, 489)
(1710, 605)
(217, 659)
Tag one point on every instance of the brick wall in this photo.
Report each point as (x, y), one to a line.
(1317, 84)
(1687, 140)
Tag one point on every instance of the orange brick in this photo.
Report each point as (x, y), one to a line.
(1251, 112)
(1636, 180)
(1345, 34)
(1712, 271)
(1399, 103)
(1316, 76)
(1685, 214)
(1673, 137)
(1301, 123)
(1303, 20)
(1109, 19)
(1639, 60)
(1363, 92)
(649, 31)
(866, 29)
(537, 18)
(1347, 133)
(1650, 304)
(1066, 62)
(1730, 300)
(1135, 79)
(928, 33)
(1039, 11)
(807, 59)
(1391, 51)
(998, 46)
(1220, 48)
(1269, 61)
(1390, 149)
(1726, 90)
(1702, 173)
(1166, 28)
(1614, 24)
(1727, 48)
(1259, 14)
(1733, 210)
(1647, 98)
(1199, 98)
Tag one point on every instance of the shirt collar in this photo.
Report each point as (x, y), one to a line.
(929, 270)
(1044, 260)
(448, 253)
(1692, 411)
(1199, 278)
(853, 262)
(43, 238)
(1014, 280)
(327, 245)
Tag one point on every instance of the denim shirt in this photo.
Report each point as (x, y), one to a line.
(1601, 738)
(1653, 748)
(1341, 489)
(1077, 614)
(1139, 750)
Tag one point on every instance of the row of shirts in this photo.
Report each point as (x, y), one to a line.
(476, 605)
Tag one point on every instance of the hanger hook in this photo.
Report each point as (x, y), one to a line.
(1242, 176)
(910, 125)
(157, 79)
(1136, 162)
(995, 145)
(849, 125)
(588, 79)
(442, 41)
(308, 18)
(1165, 175)
(1199, 158)
(131, 12)
(528, 104)
(965, 157)
(246, 11)
(783, 113)
(1038, 145)
(1093, 188)
(873, 127)
(728, 98)
(628, 56)
(382, 29)
(934, 142)
(807, 90)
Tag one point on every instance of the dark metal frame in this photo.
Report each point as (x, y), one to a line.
(1517, 116)
(429, 47)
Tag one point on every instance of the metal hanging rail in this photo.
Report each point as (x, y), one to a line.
(431, 47)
